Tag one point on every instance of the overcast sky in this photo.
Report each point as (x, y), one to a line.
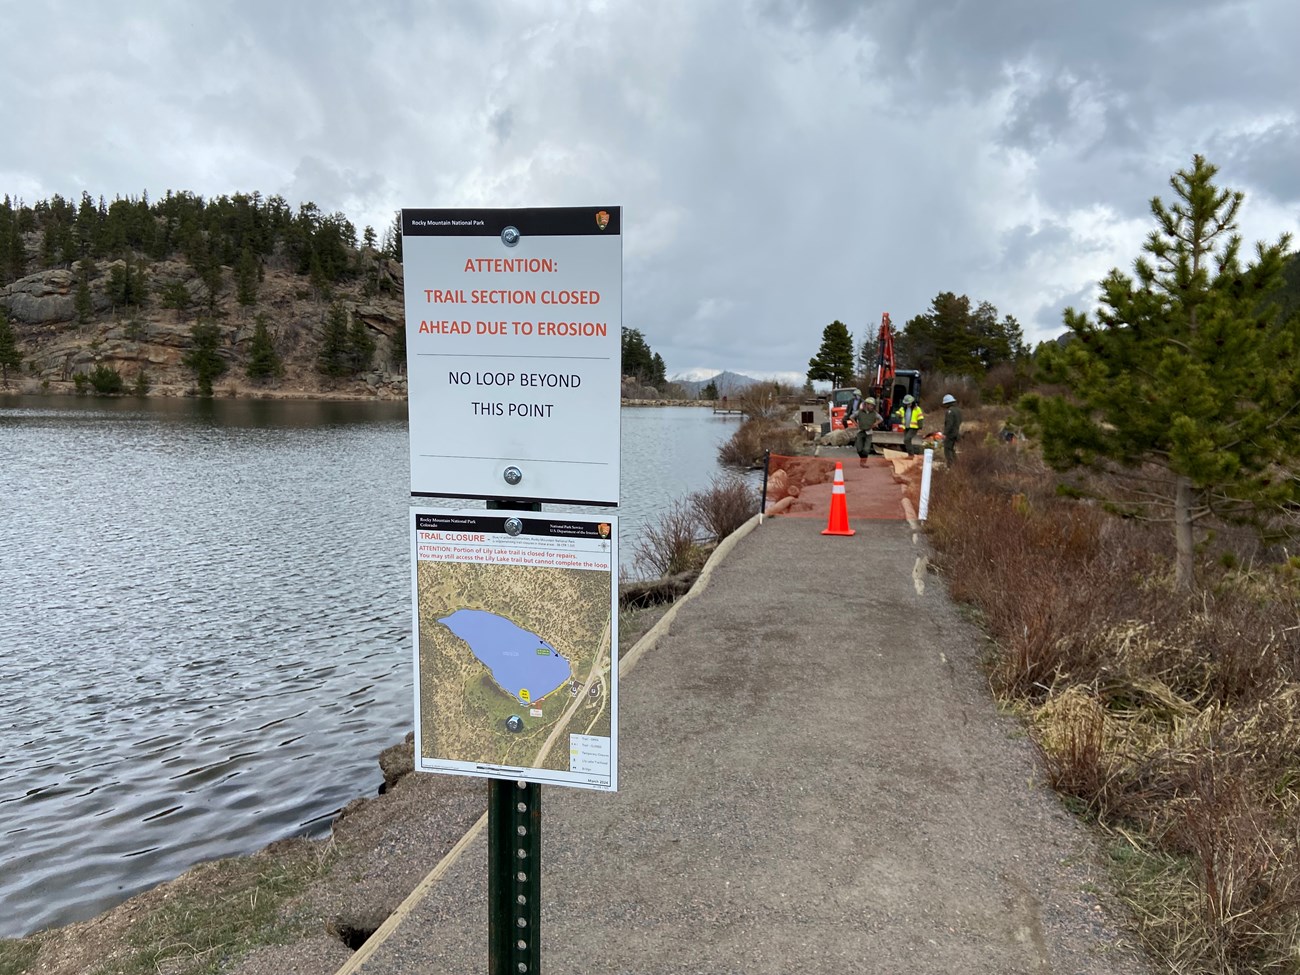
(781, 163)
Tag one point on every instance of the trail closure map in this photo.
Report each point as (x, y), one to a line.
(516, 647)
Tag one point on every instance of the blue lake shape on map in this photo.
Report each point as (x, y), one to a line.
(511, 653)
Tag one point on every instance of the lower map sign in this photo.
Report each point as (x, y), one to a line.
(516, 645)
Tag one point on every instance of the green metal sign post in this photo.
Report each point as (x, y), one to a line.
(514, 877)
(514, 864)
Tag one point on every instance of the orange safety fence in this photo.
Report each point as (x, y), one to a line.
(800, 487)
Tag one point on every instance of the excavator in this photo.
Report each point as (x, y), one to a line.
(889, 385)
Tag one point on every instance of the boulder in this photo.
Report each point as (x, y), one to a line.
(838, 438)
(40, 298)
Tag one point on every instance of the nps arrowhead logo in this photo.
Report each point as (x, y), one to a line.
(602, 220)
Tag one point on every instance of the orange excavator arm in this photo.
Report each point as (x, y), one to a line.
(882, 384)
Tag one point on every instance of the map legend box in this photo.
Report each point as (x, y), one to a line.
(589, 755)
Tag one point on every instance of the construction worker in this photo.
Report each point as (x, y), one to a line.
(951, 429)
(867, 420)
(911, 418)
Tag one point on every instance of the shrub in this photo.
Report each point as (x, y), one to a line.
(762, 401)
(723, 507)
(755, 437)
(1173, 719)
(669, 546)
(106, 381)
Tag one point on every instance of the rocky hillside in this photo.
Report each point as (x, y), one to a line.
(58, 340)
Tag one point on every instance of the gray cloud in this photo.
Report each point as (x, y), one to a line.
(781, 164)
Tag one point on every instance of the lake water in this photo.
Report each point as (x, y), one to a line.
(522, 663)
(205, 626)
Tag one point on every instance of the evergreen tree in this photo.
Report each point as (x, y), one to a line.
(393, 239)
(87, 226)
(637, 359)
(710, 391)
(83, 301)
(368, 238)
(127, 284)
(202, 358)
(1186, 382)
(212, 278)
(175, 295)
(333, 358)
(9, 355)
(397, 349)
(17, 251)
(833, 362)
(955, 337)
(263, 361)
(106, 381)
(361, 345)
(246, 278)
(865, 363)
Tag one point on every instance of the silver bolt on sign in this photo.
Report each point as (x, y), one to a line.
(510, 236)
(514, 526)
(513, 475)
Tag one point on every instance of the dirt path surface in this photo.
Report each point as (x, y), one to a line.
(814, 780)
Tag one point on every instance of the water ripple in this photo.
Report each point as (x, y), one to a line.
(204, 617)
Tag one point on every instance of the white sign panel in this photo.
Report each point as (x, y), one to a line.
(516, 646)
(513, 345)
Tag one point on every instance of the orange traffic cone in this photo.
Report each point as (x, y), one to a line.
(839, 520)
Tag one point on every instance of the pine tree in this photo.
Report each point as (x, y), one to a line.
(83, 301)
(332, 359)
(637, 359)
(1186, 382)
(17, 251)
(203, 359)
(397, 349)
(263, 361)
(833, 362)
(361, 345)
(128, 286)
(865, 362)
(392, 248)
(175, 295)
(9, 355)
(246, 278)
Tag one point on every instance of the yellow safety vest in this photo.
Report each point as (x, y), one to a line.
(912, 422)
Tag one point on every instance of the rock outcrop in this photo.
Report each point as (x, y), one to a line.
(149, 343)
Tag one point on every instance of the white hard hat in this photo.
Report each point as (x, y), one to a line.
(949, 398)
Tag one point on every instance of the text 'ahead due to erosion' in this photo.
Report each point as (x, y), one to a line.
(514, 359)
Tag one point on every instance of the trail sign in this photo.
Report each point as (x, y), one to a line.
(516, 645)
(513, 338)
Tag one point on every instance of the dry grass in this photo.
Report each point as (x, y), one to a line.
(1173, 722)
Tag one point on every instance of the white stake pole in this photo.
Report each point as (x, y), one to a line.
(925, 484)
